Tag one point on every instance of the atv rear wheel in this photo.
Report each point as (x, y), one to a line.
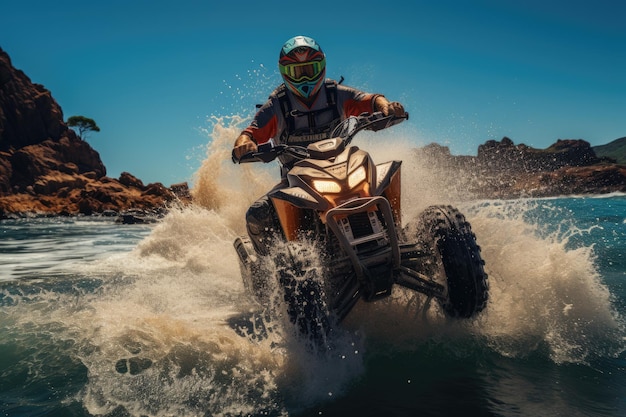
(446, 232)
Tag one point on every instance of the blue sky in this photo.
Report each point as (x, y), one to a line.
(152, 73)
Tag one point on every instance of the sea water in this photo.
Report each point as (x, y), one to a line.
(98, 318)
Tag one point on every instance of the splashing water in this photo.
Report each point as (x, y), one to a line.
(150, 326)
(545, 294)
(549, 297)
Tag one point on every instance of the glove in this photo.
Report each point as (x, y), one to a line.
(243, 145)
(388, 108)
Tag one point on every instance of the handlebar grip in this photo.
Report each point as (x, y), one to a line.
(248, 157)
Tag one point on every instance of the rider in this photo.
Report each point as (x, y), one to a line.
(302, 110)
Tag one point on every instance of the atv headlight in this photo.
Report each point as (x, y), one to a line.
(326, 187)
(357, 177)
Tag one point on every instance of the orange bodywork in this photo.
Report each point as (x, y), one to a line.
(393, 195)
(290, 218)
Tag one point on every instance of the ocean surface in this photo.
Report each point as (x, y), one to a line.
(103, 319)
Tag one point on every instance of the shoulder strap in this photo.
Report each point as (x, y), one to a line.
(331, 91)
(285, 106)
(331, 97)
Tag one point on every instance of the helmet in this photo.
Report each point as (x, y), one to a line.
(302, 65)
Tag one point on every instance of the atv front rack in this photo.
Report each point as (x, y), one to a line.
(383, 253)
(385, 261)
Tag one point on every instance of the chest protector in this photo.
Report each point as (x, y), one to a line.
(305, 127)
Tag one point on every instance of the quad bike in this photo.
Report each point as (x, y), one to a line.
(350, 207)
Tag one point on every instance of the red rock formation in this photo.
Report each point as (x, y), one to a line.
(46, 168)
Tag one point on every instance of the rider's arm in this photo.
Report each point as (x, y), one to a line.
(263, 128)
(356, 102)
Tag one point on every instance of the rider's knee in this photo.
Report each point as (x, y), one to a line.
(261, 223)
(259, 217)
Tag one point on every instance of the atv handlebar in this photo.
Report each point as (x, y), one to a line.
(377, 121)
(366, 121)
(268, 152)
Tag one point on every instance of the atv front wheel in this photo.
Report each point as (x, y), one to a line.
(304, 296)
(446, 232)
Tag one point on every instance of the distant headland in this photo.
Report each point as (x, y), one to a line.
(504, 170)
(47, 169)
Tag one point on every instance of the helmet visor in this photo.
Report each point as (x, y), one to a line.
(303, 71)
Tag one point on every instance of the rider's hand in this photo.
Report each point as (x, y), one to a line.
(388, 108)
(243, 145)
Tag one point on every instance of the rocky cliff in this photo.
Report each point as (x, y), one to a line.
(45, 168)
(502, 169)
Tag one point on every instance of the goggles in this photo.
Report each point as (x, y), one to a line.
(304, 71)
